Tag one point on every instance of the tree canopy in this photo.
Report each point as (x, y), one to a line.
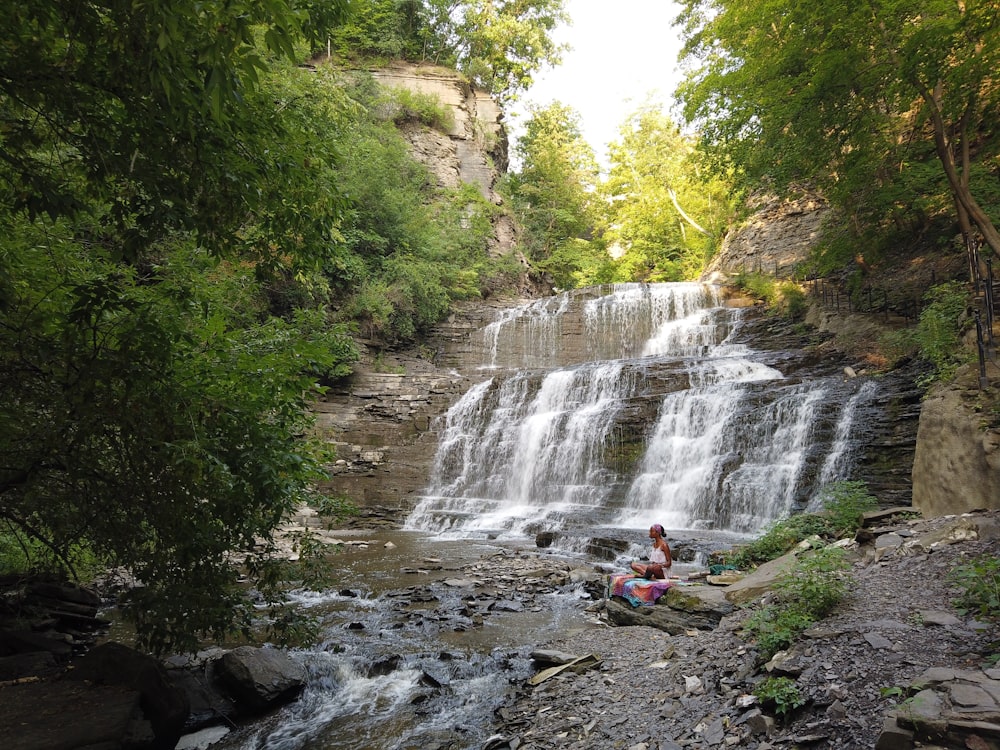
(657, 215)
(196, 227)
(498, 44)
(553, 192)
(654, 191)
(849, 94)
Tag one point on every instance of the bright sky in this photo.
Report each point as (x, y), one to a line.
(621, 51)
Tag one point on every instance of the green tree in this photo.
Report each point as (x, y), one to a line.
(839, 91)
(150, 419)
(663, 212)
(160, 171)
(553, 191)
(502, 43)
(131, 104)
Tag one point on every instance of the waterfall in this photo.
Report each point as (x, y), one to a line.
(623, 405)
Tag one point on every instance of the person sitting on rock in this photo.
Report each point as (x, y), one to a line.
(660, 559)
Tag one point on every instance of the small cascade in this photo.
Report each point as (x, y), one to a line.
(838, 459)
(623, 405)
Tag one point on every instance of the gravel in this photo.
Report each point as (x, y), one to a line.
(655, 691)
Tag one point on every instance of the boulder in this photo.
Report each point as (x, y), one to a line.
(261, 678)
(761, 580)
(680, 609)
(65, 714)
(164, 706)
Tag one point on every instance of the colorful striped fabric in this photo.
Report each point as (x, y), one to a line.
(636, 590)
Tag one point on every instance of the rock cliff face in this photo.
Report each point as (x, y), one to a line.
(957, 464)
(774, 240)
(473, 152)
(384, 419)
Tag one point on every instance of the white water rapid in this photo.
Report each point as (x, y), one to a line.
(625, 405)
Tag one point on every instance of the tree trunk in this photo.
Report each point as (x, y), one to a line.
(958, 180)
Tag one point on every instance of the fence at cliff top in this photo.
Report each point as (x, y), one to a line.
(876, 300)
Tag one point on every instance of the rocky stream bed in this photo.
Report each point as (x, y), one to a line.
(860, 669)
(897, 666)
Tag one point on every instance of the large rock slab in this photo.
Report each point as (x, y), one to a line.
(957, 463)
(679, 610)
(68, 715)
(761, 580)
(163, 705)
(261, 678)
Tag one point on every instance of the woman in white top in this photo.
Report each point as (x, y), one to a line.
(660, 559)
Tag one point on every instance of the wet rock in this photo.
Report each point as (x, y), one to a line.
(552, 657)
(382, 667)
(164, 706)
(32, 664)
(71, 714)
(260, 678)
(544, 539)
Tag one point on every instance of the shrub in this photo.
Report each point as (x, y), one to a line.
(979, 582)
(784, 298)
(804, 595)
(779, 693)
(403, 105)
(844, 504)
(792, 300)
(777, 539)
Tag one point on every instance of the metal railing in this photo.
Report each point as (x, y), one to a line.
(874, 300)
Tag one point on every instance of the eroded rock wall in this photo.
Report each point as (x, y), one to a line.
(473, 151)
(957, 464)
(777, 236)
(384, 420)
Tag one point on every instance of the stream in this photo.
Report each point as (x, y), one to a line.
(594, 414)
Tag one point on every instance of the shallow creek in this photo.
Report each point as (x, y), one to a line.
(411, 653)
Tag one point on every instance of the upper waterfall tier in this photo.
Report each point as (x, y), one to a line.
(627, 405)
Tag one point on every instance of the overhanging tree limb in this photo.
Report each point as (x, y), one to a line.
(673, 199)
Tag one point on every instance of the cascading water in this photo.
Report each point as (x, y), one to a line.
(598, 413)
(619, 406)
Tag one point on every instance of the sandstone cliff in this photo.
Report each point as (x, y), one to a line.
(473, 151)
(775, 239)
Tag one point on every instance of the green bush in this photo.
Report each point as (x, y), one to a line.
(979, 584)
(777, 539)
(844, 504)
(403, 105)
(792, 300)
(784, 298)
(942, 323)
(803, 596)
(779, 693)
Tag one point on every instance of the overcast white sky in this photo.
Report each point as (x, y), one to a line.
(621, 51)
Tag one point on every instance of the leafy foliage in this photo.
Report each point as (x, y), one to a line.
(186, 226)
(856, 97)
(784, 298)
(804, 595)
(781, 693)
(843, 503)
(978, 581)
(147, 423)
(654, 190)
(937, 337)
(657, 216)
(552, 193)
